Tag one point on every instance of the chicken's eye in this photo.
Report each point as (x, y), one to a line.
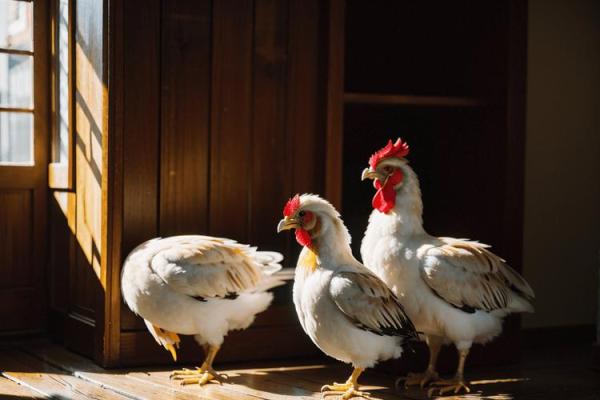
(388, 170)
(301, 213)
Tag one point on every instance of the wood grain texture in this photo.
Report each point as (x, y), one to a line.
(231, 108)
(109, 326)
(16, 260)
(20, 294)
(47, 368)
(270, 180)
(49, 381)
(23, 204)
(335, 103)
(84, 268)
(305, 101)
(10, 389)
(141, 127)
(61, 213)
(184, 139)
(139, 348)
(260, 140)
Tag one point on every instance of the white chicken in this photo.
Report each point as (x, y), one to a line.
(454, 290)
(346, 310)
(198, 285)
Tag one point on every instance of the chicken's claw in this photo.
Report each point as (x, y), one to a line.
(447, 386)
(200, 376)
(345, 390)
(414, 379)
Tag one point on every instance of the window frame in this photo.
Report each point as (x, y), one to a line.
(61, 174)
(32, 108)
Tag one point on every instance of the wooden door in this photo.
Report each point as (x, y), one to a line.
(216, 127)
(459, 105)
(23, 164)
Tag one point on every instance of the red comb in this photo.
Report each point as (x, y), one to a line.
(291, 206)
(398, 149)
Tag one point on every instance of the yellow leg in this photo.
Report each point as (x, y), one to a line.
(455, 384)
(201, 375)
(347, 390)
(430, 374)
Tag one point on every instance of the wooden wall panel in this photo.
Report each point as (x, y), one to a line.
(141, 126)
(306, 102)
(61, 242)
(270, 158)
(85, 270)
(185, 74)
(23, 206)
(19, 293)
(241, 130)
(231, 161)
(15, 252)
(76, 216)
(335, 102)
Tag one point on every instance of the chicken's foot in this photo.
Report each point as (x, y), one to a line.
(455, 384)
(418, 379)
(201, 375)
(346, 390)
(434, 343)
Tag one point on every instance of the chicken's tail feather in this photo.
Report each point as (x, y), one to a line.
(168, 340)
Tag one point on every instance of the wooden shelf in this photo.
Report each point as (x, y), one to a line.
(411, 100)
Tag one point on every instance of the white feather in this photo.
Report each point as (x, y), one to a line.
(339, 295)
(162, 277)
(433, 276)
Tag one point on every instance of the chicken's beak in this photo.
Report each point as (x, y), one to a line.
(368, 173)
(287, 223)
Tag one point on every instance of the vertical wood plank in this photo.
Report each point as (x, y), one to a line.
(16, 261)
(271, 163)
(185, 113)
(515, 137)
(20, 295)
(305, 103)
(108, 348)
(335, 103)
(305, 125)
(89, 111)
(141, 125)
(231, 118)
(41, 132)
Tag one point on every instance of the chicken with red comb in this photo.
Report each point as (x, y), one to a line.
(345, 309)
(454, 290)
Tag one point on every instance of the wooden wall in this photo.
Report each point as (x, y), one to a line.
(75, 214)
(205, 117)
(23, 200)
(220, 122)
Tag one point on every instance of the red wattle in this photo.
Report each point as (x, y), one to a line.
(303, 237)
(385, 198)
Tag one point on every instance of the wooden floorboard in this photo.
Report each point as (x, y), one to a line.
(13, 390)
(42, 370)
(47, 380)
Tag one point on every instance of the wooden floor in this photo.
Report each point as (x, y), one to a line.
(42, 370)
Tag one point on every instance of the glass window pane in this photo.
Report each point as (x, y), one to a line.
(63, 81)
(16, 20)
(16, 137)
(16, 78)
